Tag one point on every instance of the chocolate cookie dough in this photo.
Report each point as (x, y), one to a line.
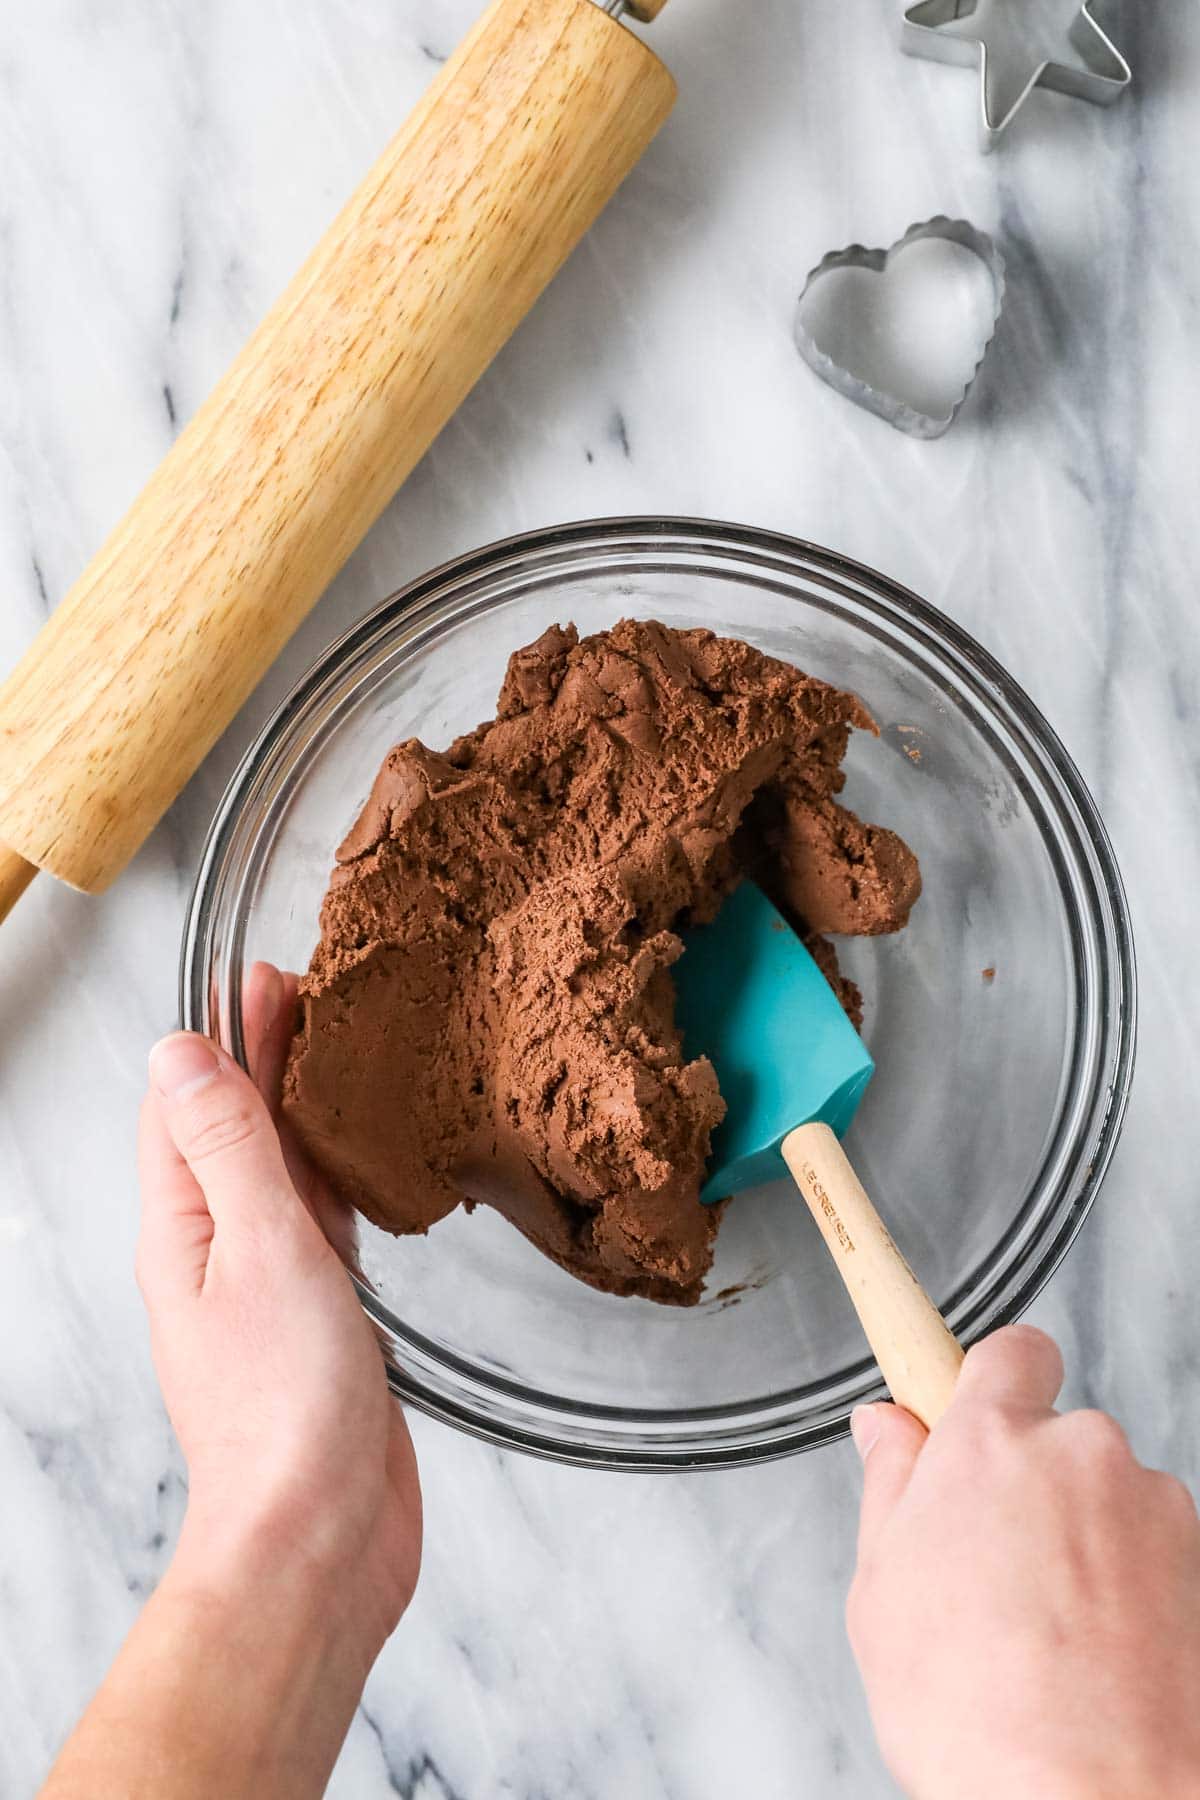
(489, 1015)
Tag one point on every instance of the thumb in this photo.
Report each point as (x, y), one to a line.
(224, 1135)
(889, 1440)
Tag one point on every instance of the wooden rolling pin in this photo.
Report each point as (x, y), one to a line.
(496, 175)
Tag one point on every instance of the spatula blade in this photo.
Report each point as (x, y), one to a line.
(751, 999)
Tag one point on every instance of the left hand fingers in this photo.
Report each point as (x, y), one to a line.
(268, 1005)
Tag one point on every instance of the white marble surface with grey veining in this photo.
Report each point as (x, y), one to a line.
(163, 167)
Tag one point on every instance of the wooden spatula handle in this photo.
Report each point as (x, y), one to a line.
(914, 1347)
(506, 161)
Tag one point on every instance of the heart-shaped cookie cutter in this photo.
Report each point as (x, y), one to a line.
(1101, 75)
(857, 256)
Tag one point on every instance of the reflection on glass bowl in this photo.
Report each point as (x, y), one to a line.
(1001, 1020)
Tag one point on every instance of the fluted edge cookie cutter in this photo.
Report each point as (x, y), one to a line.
(1103, 78)
(857, 256)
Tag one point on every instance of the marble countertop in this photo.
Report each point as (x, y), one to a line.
(165, 168)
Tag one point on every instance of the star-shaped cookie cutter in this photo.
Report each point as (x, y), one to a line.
(1101, 76)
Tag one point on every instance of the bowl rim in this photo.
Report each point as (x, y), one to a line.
(1001, 699)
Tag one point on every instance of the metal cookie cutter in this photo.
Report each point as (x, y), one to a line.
(887, 406)
(1101, 74)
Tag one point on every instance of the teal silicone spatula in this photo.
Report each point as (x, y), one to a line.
(792, 1070)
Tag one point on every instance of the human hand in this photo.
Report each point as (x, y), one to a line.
(297, 1456)
(1026, 1609)
(302, 1538)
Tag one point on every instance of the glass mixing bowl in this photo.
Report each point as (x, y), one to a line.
(1001, 1020)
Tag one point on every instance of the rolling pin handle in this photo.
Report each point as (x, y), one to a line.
(15, 876)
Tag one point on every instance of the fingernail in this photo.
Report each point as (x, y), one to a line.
(181, 1063)
(864, 1429)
